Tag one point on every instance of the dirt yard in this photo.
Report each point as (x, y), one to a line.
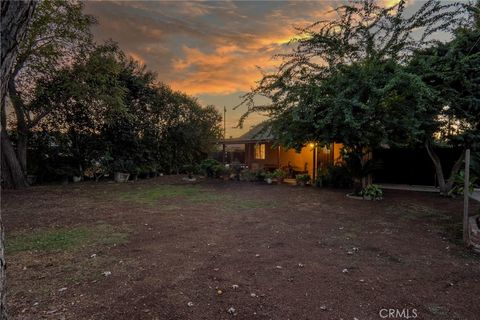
(163, 249)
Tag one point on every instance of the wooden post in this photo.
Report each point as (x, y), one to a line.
(466, 196)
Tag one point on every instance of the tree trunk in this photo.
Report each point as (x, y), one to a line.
(22, 127)
(12, 173)
(14, 22)
(445, 186)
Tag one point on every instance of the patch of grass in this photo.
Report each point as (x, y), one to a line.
(64, 239)
(152, 195)
(192, 194)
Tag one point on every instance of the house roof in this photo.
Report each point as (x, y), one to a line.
(259, 133)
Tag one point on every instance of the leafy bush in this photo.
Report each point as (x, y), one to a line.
(252, 175)
(372, 192)
(219, 170)
(279, 174)
(269, 175)
(338, 176)
(302, 178)
(247, 175)
(322, 177)
(98, 167)
(121, 165)
(190, 169)
(208, 166)
(459, 183)
(260, 175)
(212, 168)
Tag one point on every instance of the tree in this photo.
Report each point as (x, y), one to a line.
(15, 18)
(107, 105)
(59, 32)
(451, 70)
(345, 79)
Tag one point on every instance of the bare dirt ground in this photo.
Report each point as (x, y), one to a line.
(161, 249)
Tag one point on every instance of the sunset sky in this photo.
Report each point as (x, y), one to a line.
(211, 50)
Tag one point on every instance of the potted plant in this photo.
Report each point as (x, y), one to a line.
(269, 177)
(121, 169)
(280, 175)
(372, 192)
(302, 179)
(99, 167)
(190, 169)
(322, 177)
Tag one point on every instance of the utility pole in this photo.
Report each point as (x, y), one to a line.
(224, 133)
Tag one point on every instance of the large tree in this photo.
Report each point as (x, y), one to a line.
(345, 82)
(58, 33)
(452, 71)
(15, 18)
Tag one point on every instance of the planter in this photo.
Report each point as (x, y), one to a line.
(268, 180)
(121, 177)
(76, 179)
(474, 232)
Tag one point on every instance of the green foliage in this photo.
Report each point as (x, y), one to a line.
(302, 178)
(372, 192)
(338, 176)
(209, 167)
(108, 104)
(459, 183)
(279, 174)
(270, 175)
(451, 71)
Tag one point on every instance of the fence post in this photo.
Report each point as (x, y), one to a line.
(466, 196)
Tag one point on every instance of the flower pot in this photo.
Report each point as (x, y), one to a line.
(77, 179)
(269, 180)
(121, 177)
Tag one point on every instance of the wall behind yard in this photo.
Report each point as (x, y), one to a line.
(412, 166)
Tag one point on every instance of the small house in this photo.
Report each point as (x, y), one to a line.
(262, 152)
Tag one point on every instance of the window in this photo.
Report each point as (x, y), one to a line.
(260, 151)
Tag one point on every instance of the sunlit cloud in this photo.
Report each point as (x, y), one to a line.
(209, 49)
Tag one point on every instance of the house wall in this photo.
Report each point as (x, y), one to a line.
(279, 157)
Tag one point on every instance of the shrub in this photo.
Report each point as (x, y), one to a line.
(219, 170)
(372, 192)
(459, 184)
(279, 174)
(338, 176)
(121, 165)
(260, 175)
(209, 166)
(269, 175)
(302, 179)
(190, 170)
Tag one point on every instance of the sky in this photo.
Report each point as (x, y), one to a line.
(213, 50)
